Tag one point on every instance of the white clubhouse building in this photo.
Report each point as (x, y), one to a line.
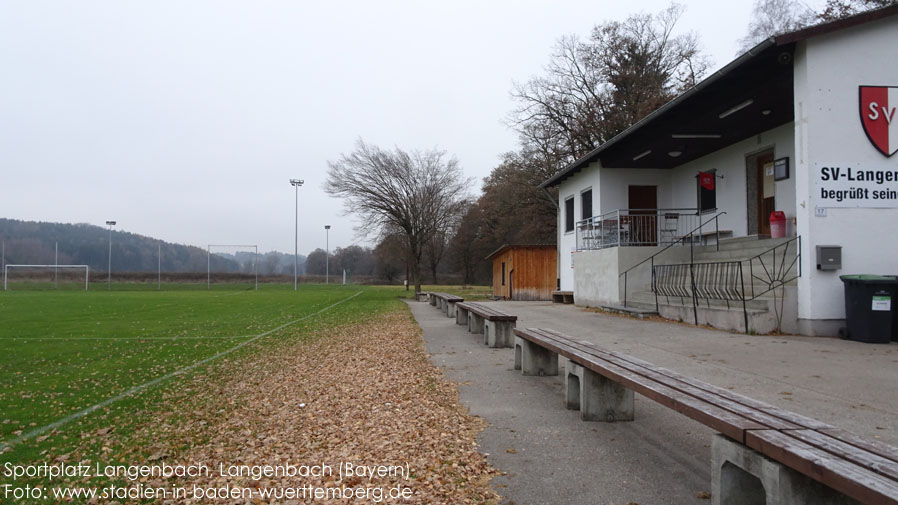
(804, 125)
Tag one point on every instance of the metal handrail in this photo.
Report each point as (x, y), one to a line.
(690, 210)
(775, 277)
(632, 227)
(689, 235)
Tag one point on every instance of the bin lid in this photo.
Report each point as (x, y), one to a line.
(869, 278)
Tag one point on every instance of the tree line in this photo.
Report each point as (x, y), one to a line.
(44, 243)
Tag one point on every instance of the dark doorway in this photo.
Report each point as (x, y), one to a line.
(760, 203)
(640, 227)
(511, 285)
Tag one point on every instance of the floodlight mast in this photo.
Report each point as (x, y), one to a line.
(296, 184)
(327, 253)
(109, 268)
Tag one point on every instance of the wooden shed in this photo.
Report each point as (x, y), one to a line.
(524, 272)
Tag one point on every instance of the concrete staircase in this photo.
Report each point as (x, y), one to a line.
(765, 312)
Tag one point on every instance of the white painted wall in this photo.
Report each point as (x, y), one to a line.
(828, 71)
(731, 189)
(567, 242)
(615, 182)
(677, 189)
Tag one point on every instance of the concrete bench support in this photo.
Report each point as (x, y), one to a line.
(475, 323)
(742, 476)
(461, 316)
(563, 297)
(498, 333)
(450, 308)
(535, 360)
(596, 397)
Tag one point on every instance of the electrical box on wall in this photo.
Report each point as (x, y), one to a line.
(829, 257)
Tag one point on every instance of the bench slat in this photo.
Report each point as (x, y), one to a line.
(789, 420)
(773, 410)
(710, 397)
(878, 448)
(487, 312)
(873, 462)
(448, 297)
(703, 394)
(724, 421)
(839, 474)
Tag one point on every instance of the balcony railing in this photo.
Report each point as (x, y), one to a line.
(637, 227)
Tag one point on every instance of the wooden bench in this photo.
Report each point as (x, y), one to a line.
(496, 326)
(444, 302)
(562, 297)
(762, 454)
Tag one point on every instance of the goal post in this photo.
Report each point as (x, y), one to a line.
(54, 268)
(210, 251)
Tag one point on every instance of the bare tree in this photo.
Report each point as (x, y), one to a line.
(837, 9)
(390, 258)
(595, 89)
(434, 250)
(417, 193)
(469, 246)
(775, 17)
(438, 245)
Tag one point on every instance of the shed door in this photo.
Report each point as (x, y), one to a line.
(640, 226)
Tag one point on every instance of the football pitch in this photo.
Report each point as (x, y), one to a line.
(74, 361)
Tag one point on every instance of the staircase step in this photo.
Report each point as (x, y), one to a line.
(631, 310)
(751, 241)
(646, 300)
(758, 304)
(742, 254)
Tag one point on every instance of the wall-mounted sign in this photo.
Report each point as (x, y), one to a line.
(877, 107)
(781, 169)
(855, 185)
(706, 180)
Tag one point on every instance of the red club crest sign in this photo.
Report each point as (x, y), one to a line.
(877, 108)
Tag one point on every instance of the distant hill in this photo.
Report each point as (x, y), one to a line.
(30, 242)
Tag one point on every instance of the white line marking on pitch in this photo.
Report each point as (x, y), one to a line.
(81, 413)
(128, 338)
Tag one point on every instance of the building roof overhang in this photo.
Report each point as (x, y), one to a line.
(752, 94)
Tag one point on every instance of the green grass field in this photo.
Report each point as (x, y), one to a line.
(63, 353)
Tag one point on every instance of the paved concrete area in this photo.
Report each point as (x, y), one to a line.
(551, 457)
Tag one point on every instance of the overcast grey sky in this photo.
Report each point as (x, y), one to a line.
(184, 120)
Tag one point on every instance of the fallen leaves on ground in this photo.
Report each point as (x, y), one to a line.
(365, 394)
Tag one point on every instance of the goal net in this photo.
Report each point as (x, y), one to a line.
(45, 277)
(231, 266)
